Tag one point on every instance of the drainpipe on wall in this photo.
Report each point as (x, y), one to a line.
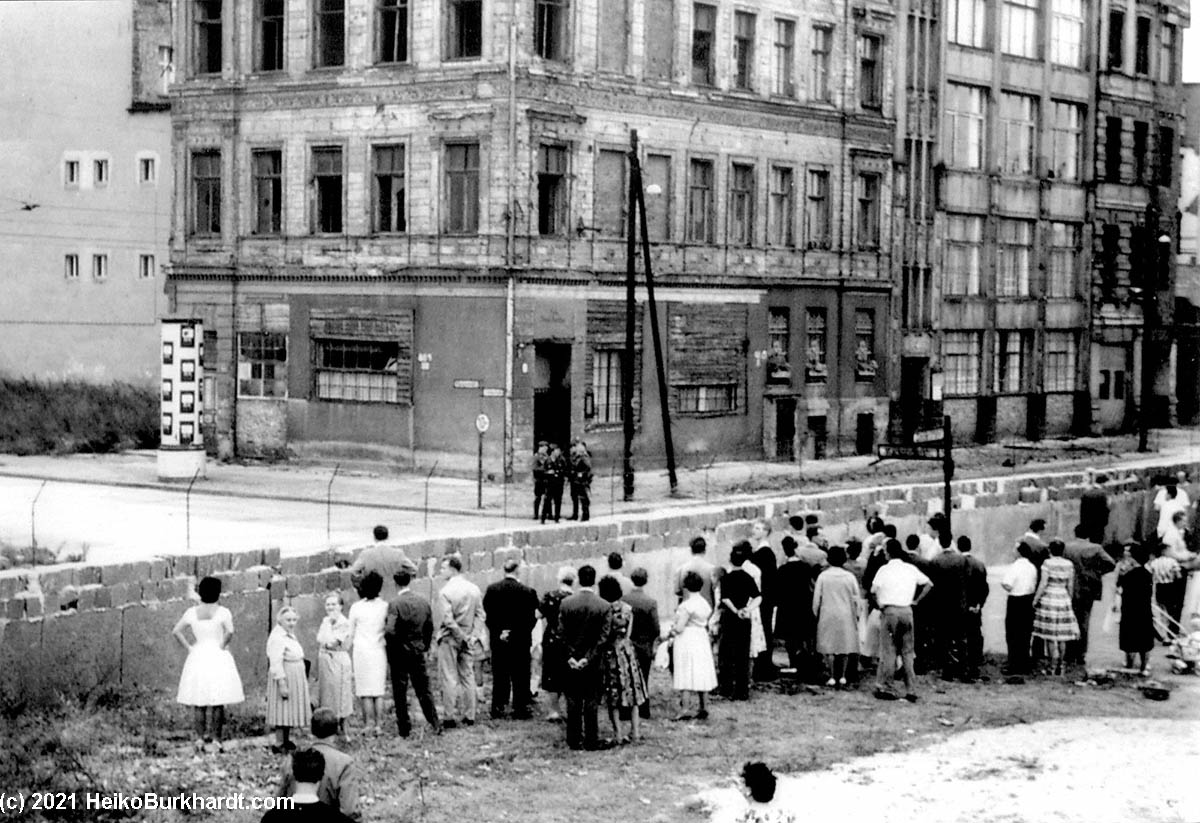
(510, 295)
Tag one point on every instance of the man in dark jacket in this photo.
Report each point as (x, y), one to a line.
(581, 481)
(763, 557)
(646, 628)
(583, 625)
(976, 596)
(540, 457)
(1093, 509)
(945, 618)
(1091, 563)
(408, 631)
(555, 472)
(511, 609)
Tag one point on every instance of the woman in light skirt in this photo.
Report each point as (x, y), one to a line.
(288, 704)
(695, 670)
(335, 675)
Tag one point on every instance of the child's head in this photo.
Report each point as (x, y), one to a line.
(760, 781)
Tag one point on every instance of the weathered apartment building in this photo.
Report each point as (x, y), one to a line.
(1036, 135)
(394, 216)
(85, 203)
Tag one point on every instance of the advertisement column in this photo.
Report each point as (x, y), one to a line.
(181, 446)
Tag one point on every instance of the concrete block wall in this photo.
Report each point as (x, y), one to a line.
(73, 628)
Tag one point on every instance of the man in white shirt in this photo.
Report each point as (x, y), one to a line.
(1020, 581)
(459, 632)
(897, 587)
(930, 545)
(1170, 499)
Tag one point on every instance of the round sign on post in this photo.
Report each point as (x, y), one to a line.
(481, 423)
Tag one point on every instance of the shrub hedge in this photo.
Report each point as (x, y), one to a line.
(62, 417)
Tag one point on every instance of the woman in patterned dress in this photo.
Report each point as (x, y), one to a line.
(288, 704)
(554, 655)
(335, 675)
(1053, 616)
(624, 687)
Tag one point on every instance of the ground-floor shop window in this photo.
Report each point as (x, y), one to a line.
(262, 364)
(721, 397)
(359, 370)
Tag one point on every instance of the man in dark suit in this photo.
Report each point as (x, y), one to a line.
(945, 618)
(764, 558)
(646, 629)
(1093, 509)
(976, 596)
(1091, 563)
(583, 624)
(407, 632)
(511, 609)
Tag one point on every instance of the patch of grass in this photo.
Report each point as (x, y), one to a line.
(63, 417)
(523, 771)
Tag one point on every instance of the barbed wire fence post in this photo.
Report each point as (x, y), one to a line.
(428, 478)
(329, 506)
(33, 524)
(188, 510)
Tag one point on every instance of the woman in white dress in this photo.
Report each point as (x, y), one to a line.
(695, 670)
(335, 677)
(367, 649)
(210, 680)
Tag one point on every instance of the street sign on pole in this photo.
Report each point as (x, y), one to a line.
(466, 383)
(923, 449)
(890, 451)
(482, 423)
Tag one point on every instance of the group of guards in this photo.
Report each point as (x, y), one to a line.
(551, 469)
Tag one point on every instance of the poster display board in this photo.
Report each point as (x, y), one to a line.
(181, 444)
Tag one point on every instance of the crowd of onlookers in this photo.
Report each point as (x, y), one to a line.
(838, 611)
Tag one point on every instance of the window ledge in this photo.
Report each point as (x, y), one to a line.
(703, 414)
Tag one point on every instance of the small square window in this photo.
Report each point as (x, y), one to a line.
(71, 266)
(100, 172)
(71, 172)
(145, 266)
(147, 173)
(100, 266)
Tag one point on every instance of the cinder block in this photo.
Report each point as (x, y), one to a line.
(331, 580)
(12, 584)
(53, 580)
(1030, 494)
(182, 565)
(252, 621)
(160, 568)
(293, 565)
(32, 604)
(520, 537)
(150, 657)
(479, 562)
(320, 561)
(81, 652)
(260, 576)
(85, 575)
(21, 677)
(271, 557)
(298, 584)
(231, 581)
(245, 559)
(207, 564)
(122, 594)
(633, 526)
(277, 586)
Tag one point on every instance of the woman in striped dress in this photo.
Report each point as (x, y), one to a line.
(1053, 616)
(287, 685)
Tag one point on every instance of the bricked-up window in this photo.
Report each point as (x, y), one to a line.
(614, 36)
(657, 177)
(608, 205)
(1112, 149)
(388, 190)
(866, 216)
(964, 251)
(462, 188)
(966, 108)
(741, 204)
(145, 266)
(1068, 140)
(660, 19)
(552, 190)
(865, 365)
(704, 52)
(1014, 258)
(1141, 52)
(1167, 51)
(1060, 361)
(206, 36)
(1065, 248)
(1019, 128)
(328, 184)
(606, 385)
(781, 207)
(1110, 253)
(708, 348)
(99, 266)
(206, 192)
(391, 31)
(1166, 155)
(358, 370)
(820, 60)
(743, 50)
(71, 266)
(960, 363)
(701, 215)
(550, 29)
(1141, 150)
(816, 347)
(1116, 39)
(1066, 33)
(817, 222)
(262, 364)
(870, 71)
(1019, 29)
(966, 21)
(268, 45)
(779, 339)
(784, 78)
(1013, 351)
(267, 169)
(329, 33)
(464, 29)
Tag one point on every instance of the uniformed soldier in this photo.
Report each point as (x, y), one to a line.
(581, 481)
(556, 469)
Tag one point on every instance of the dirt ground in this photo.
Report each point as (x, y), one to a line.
(1085, 770)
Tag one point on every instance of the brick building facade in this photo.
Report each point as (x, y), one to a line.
(383, 210)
